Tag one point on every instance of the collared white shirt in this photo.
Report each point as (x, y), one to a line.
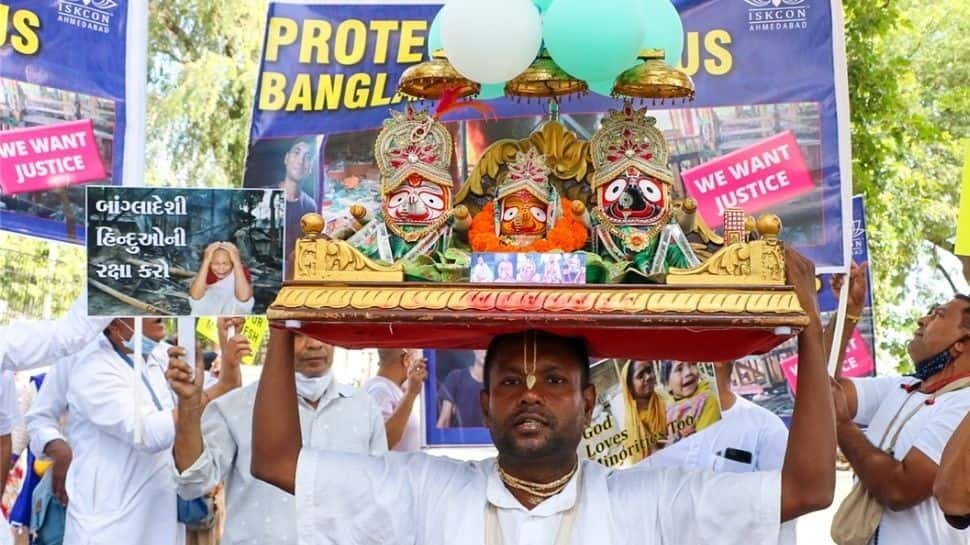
(26, 345)
(120, 486)
(744, 427)
(879, 399)
(345, 419)
(388, 397)
(415, 498)
(50, 404)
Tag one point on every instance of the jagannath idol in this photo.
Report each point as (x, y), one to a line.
(413, 152)
(634, 217)
(527, 214)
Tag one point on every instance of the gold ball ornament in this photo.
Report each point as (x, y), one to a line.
(358, 211)
(769, 225)
(312, 224)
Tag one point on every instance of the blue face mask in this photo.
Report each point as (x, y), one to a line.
(934, 364)
(147, 345)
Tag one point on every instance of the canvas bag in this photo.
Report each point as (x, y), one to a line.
(859, 514)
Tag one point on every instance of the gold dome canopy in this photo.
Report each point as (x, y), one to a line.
(544, 79)
(429, 79)
(654, 79)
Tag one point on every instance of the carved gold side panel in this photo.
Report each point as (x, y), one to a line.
(322, 259)
(757, 263)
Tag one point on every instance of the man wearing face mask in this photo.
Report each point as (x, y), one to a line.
(122, 422)
(216, 444)
(909, 419)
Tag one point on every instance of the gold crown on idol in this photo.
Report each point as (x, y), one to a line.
(413, 142)
(528, 172)
(628, 138)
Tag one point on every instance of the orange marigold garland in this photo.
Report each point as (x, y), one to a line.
(568, 235)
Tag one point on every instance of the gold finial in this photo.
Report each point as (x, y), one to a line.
(689, 205)
(358, 211)
(769, 225)
(312, 224)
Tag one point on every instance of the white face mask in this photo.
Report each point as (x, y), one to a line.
(312, 388)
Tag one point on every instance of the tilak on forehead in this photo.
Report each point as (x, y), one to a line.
(530, 372)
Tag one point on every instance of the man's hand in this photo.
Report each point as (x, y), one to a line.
(858, 287)
(233, 252)
(417, 374)
(60, 453)
(234, 348)
(179, 375)
(209, 250)
(800, 273)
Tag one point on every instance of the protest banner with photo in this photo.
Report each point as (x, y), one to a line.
(255, 329)
(183, 252)
(67, 101)
(770, 380)
(329, 72)
(644, 406)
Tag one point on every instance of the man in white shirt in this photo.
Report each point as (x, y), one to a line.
(216, 445)
(747, 438)
(537, 401)
(26, 345)
(924, 416)
(122, 424)
(400, 375)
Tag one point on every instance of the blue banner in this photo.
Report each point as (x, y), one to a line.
(61, 61)
(331, 70)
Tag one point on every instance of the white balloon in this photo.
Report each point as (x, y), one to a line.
(491, 41)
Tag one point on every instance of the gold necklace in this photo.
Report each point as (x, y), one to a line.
(537, 492)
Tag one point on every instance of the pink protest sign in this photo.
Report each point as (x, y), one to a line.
(753, 178)
(50, 156)
(858, 361)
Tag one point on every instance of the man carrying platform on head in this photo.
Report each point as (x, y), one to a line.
(537, 399)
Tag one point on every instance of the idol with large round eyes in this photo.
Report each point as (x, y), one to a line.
(633, 199)
(523, 214)
(418, 201)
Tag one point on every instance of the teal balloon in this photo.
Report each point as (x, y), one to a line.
(491, 90)
(594, 41)
(604, 87)
(434, 34)
(665, 29)
(543, 5)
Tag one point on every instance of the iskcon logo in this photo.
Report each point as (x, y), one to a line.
(87, 14)
(773, 15)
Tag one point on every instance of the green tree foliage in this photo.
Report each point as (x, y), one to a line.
(40, 279)
(203, 58)
(909, 63)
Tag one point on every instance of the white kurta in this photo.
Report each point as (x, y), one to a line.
(879, 399)
(745, 427)
(25, 345)
(259, 513)
(220, 299)
(415, 498)
(388, 397)
(121, 489)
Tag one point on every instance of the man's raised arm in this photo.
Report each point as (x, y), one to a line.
(952, 484)
(808, 474)
(276, 419)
